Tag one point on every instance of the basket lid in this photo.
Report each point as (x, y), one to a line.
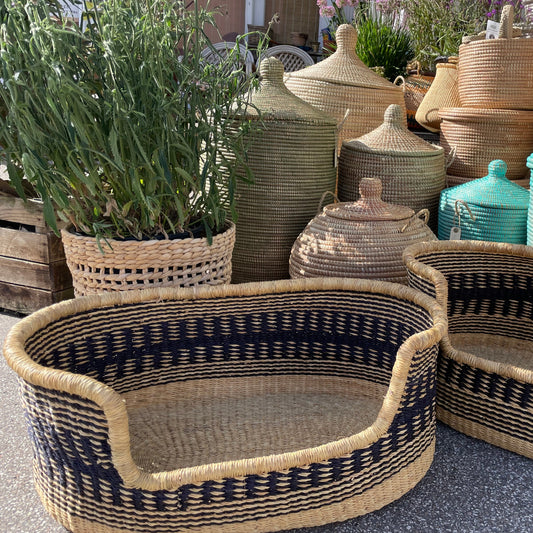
(493, 191)
(273, 101)
(344, 67)
(370, 206)
(393, 137)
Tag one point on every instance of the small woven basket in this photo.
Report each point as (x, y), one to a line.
(249, 407)
(411, 170)
(131, 265)
(363, 239)
(485, 369)
(346, 89)
(472, 138)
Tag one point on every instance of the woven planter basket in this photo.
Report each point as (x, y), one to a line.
(485, 370)
(363, 239)
(131, 265)
(250, 407)
(346, 89)
(412, 170)
(293, 162)
(487, 209)
(472, 138)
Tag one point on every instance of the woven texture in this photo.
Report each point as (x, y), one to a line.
(530, 209)
(229, 409)
(363, 239)
(485, 370)
(132, 265)
(487, 209)
(472, 138)
(293, 165)
(346, 89)
(452, 181)
(412, 170)
(442, 93)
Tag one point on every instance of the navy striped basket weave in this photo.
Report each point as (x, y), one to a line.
(253, 407)
(485, 369)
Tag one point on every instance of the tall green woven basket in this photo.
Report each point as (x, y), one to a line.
(492, 208)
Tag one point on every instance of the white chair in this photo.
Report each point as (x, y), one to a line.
(218, 51)
(292, 57)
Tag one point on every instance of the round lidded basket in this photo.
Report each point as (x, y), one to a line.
(293, 163)
(412, 170)
(472, 138)
(492, 208)
(345, 88)
(363, 239)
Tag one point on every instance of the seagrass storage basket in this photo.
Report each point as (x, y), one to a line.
(363, 239)
(485, 369)
(472, 138)
(130, 265)
(346, 89)
(293, 162)
(492, 208)
(411, 170)
(249, 407)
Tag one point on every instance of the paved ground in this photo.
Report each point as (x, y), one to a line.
(472, 487)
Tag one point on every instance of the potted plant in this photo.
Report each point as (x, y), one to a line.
(127, 134)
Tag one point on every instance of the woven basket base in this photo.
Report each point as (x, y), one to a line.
(371, 500)
(478, 431)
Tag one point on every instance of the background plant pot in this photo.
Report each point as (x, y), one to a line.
(130, 265)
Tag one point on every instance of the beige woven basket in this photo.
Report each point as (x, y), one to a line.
(363, 239)
(131, 265)
(412, 170)
(293, 165)
(345, 88)
(472, 138)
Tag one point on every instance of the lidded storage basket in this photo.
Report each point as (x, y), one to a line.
(412, 170)
(293, 161)
(363, 239)
(492, 208)
(345, 88)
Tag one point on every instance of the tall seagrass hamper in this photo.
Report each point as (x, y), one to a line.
(237, 408)
(485, 369)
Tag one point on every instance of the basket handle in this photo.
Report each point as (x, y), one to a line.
(423, 214)
(402, 84)
(451, 157)
(323, 197)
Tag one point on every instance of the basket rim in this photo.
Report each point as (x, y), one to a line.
(115, 410)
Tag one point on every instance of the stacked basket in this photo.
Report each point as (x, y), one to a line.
(495, 120)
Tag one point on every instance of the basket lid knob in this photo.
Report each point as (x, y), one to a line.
(271, 70)
(370, 188)
(497, 168)
(394, 116)
(346, 37)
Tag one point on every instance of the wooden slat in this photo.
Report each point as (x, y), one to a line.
(16, 210)
(55, 276)
(28, 246)
(27, 300)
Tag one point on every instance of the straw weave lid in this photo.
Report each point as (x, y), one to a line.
(393, 138)
(370, 206)
(343, 67)
(274, 102)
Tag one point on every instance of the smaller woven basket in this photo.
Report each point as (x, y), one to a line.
(472, 138)
(130, 265)
(487, 209)
(411, 170)
(363, 239)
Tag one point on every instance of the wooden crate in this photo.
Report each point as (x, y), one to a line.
(33, 270)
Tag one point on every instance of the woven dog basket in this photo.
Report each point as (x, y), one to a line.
(131, 265)
(293, 165)
(363, 239)
(472, 138)
(412, 170)
(487, 209)
(485, 369)
(249, 407)
(346, 89)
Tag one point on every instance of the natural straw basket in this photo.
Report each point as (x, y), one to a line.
(346, 89)
(363, 239)
(293, 165)
(249, 407)
(472, 138)
(131, 265)
(485, 370)
(412, 170)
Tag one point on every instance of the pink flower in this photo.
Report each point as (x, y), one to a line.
(327, 11)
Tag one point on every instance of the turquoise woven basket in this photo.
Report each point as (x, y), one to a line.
(530, 211)
(492, 208)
